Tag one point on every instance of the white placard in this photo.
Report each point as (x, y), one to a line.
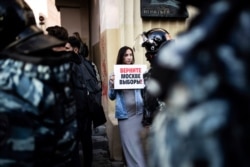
(129, 76)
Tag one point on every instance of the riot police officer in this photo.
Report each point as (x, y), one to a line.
(37, 109)
(153, 40)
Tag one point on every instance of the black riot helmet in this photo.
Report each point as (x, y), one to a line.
(152, 41)
(15, 16)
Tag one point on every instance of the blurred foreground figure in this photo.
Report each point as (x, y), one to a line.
(204, 79)
(37, 110)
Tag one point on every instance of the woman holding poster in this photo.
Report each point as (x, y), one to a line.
(128, 111)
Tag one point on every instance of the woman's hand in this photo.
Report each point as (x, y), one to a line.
(112, 80)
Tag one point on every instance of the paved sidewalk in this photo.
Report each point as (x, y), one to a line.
(100, 149)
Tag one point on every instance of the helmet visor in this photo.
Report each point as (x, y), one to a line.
(148, 44)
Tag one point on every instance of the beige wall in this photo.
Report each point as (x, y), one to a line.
(54, 17)
(120, 26)
(47, 9)
(121, 23)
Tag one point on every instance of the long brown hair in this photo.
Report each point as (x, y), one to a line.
(121, 54)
